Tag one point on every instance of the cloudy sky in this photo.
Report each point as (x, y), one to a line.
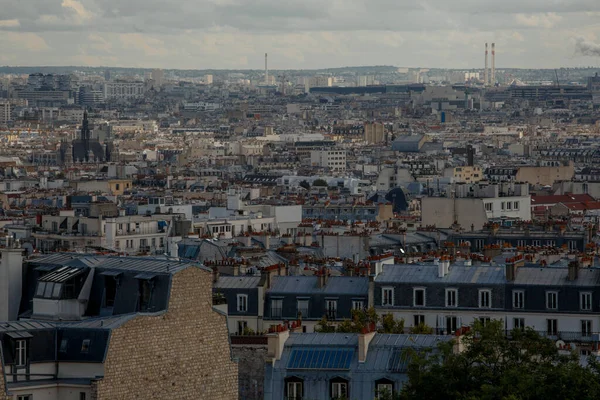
(199, 34)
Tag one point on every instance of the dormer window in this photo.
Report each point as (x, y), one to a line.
(63, 284)
(145, 289)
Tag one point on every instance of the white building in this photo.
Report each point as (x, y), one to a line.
(5, 111)
(118, 90)
(335, 159)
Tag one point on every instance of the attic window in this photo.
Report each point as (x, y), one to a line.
(85, 346)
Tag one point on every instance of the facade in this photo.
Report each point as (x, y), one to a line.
(310, 298)
(365, 367)
(334, 160)
(116, 90)
(464, 174)
(5, 111)
(120, 300)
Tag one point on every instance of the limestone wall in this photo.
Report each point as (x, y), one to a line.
(182, 354)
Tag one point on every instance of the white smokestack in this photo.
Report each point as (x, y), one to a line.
(485, 71)
(493, 64)
(266, 71)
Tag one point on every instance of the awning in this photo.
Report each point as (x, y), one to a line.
(145, 275)
(162, 224)
(19, 335)
(111, 273)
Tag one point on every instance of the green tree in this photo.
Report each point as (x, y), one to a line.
(320, 182)
(421, 329)
(391, 325)
(492, 366)
(324, 326)
(304, 184)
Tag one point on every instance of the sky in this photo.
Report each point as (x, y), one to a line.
(306, 34)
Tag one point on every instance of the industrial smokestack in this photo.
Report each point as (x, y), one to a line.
(485, 72)
(266, 70)
(493, 64)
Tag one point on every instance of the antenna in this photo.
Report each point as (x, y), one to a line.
(266, 70)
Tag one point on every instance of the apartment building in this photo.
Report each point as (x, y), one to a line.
(85, 322)
(334, 160)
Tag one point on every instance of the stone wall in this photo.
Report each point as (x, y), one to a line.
(252, 360)
(2, 383)
(182, 354)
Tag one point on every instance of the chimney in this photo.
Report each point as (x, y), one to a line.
(441, 268)
(266, 71)
(485, 71)
(446, 267)
(573, 270)
(493, 82)
(236, 269)
(267, 241)
(216, 274)
(265, 278)
(11, 280)
(364, 339)
(323, 277)
(511, 271)
(276, 344)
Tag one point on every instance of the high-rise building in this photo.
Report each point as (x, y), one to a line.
(5, 111)
(208, 79)
(158, 76)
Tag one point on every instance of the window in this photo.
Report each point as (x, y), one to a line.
(552, 327)
(503, 205)
(387, 296)
(384, 388)
(339, 388)
(110, 291)
(552, 300)
(489, 207)
(536, 243)
(242, 303)
(451, 324)
(485, 299)
(518, 299)
(585, 301)
(451, 298)
(519, 323)
(21, 353)
(572, 245)
(419, 297)
(145, 295)
(550, 243)
(516, 205)
(82, 396)
(484, 320)
(509, 205)
(358, 305)
(303, 308)
(25, 397)
(276, 305)
(586, 327)
(85, 346)
(479, 243)
(294, 389)
(64, 345)
(419, 320)
(242, 325)
(331, 308)
(521, 243)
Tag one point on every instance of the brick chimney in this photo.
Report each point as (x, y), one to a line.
(323, 277)
(216, 274)
(573, 270)
(363, 345)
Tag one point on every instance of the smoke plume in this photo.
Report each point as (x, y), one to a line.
(584, 47)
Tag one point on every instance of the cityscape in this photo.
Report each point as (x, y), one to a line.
(277, 226)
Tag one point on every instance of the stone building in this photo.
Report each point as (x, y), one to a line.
(115, 328)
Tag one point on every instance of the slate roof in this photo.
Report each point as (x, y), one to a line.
(309, 285)
(416, 273)
(237, 282)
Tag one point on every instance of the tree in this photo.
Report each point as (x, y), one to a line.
(324, 326)
(493, 366)
(421, 329)
(390, 325)
(360, 320)
(304, 184)
(320, 182)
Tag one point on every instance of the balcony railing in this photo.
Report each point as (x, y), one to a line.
(276, 312)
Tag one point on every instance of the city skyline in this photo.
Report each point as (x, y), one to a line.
(228, 34)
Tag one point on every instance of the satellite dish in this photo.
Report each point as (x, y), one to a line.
(560, 344)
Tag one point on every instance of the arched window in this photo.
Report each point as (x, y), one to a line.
(294, 388)
(384, 388)
(339, 388)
